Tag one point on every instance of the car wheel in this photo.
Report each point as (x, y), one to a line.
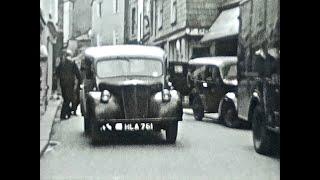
(262, 137)
(171, 132)
(87, 126)
(198, 109)
(230, 116)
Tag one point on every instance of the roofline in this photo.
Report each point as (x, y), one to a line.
(125, 55)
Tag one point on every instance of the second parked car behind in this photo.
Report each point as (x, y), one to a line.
(212, 79)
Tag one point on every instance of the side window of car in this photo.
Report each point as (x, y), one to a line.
(208, 73)
(231, 72)
(197, 73)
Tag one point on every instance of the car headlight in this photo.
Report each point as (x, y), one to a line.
(166, 96)
(105, 96)
(205, 84)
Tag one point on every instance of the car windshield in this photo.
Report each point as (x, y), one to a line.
(129, 67)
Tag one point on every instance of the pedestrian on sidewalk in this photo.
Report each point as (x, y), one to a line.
(67, 72)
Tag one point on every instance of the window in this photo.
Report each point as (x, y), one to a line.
(129, 67)
(133, 20)
(173, 11)
(116, 6)
(160, 12)
(99, 9)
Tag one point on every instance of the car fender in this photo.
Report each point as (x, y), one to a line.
(172, 108)
(229, 97)
(98, 110)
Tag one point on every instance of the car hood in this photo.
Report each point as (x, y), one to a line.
(115, 82)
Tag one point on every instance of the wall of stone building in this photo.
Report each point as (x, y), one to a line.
(81, 17)
(167, 27)
(201, 13)
(104, 27)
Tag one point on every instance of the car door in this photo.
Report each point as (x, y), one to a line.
(214, 89)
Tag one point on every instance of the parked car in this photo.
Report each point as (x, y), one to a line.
(125, 90)
(178, 72)
(213, 78)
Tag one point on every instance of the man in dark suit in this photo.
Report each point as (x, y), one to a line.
(67, 71)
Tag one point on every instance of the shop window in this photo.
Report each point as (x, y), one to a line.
(200, 52)
(99, 9)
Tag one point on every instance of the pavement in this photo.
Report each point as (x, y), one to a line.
(46, 123)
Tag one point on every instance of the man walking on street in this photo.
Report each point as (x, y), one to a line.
(67, 71)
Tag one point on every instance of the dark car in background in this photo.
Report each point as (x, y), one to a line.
(125, 89)
(178, 72)
(212, 79)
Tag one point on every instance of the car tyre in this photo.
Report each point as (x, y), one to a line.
(262, 137)
(198, 109)
(230, 118)
(171, 132)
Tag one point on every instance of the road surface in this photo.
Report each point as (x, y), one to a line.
(204, 150)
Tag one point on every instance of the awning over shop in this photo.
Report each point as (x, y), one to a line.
(227, 24)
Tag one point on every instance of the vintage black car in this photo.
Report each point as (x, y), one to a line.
(213, 79)
(125, 90)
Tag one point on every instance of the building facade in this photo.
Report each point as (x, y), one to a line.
(178, 26)
(108, 22)
(51, 39)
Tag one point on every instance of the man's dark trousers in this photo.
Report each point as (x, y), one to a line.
(67, 95)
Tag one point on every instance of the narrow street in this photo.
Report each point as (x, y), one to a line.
(204, 150)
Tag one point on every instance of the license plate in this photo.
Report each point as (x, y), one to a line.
(137, 126)
(127, 127)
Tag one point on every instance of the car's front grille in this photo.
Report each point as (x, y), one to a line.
(135, 101)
